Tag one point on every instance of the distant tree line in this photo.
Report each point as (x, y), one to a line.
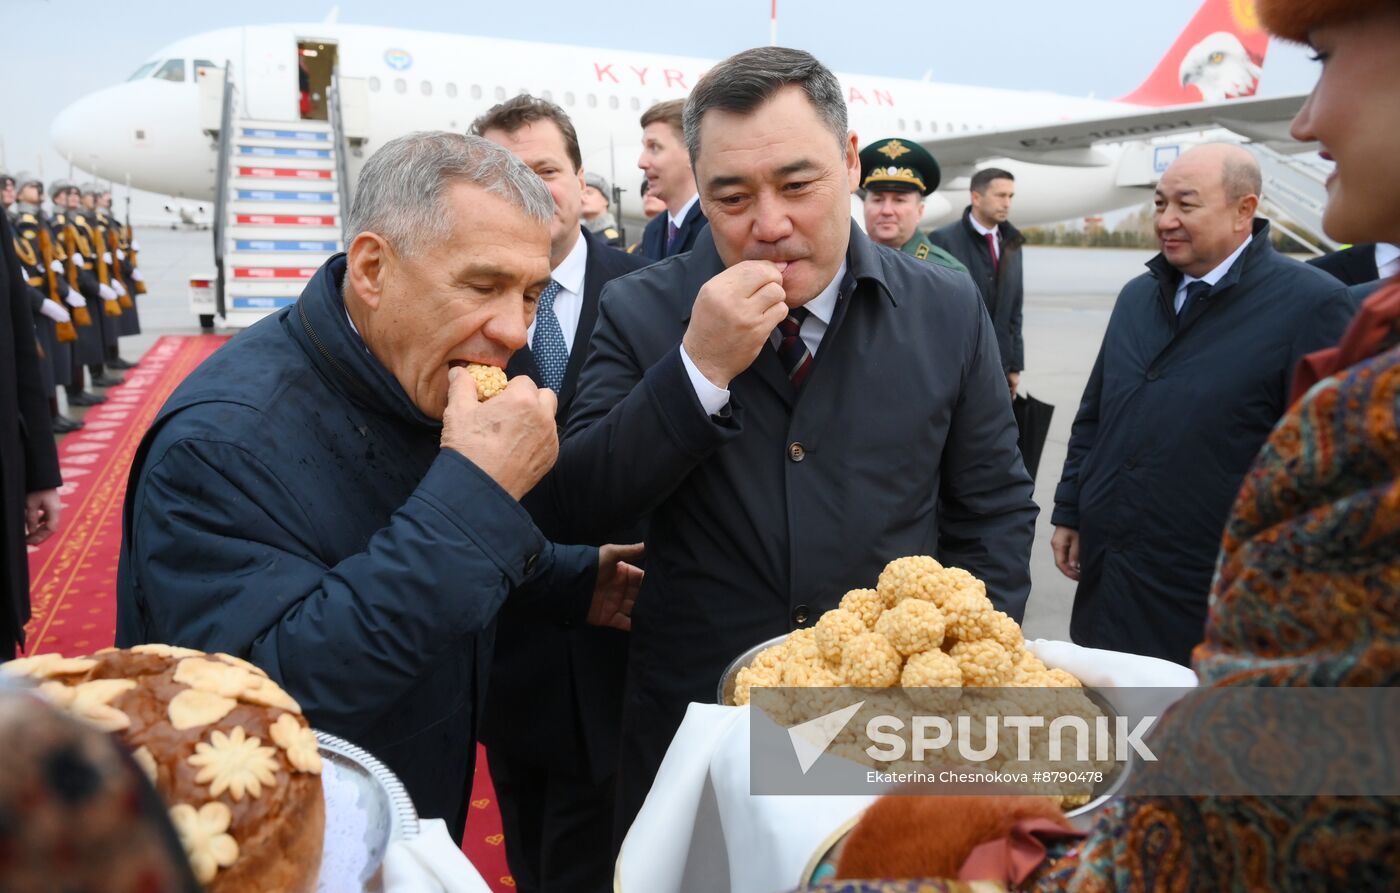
(1133, 231)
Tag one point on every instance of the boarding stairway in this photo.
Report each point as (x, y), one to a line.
(1295, 194)
(279, 211)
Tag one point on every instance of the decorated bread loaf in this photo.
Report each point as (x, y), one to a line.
(227, 748)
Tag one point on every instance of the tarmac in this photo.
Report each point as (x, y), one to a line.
(1069, 294)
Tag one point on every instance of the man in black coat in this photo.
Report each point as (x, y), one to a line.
(670, 178)
(990, 247)
(29, 477)
(554, 706)
(326, 498)
(1361, 263)
(790, 405)
(1192, 376)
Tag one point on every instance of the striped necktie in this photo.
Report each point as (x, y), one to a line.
(551, 353)
(671, 238)
(792, 350)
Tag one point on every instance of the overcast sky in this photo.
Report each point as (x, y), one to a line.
(1076, 47)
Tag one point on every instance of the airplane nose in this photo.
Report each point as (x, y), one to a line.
(67, 131)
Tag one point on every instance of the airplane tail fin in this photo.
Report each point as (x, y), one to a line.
(1218, 56)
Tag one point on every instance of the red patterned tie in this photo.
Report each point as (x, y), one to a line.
(992, 247)
(792, 350)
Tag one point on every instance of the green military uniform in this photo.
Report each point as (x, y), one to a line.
(923, 249)
(899, 165)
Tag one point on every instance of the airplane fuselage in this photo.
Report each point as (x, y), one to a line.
(148, 128)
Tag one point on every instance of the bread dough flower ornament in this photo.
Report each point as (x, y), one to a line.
(299, 742)
(205, 836)
(234, 763)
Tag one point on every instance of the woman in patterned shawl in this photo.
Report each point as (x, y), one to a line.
(1307, 590)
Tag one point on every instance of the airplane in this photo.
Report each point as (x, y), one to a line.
(1071, 156)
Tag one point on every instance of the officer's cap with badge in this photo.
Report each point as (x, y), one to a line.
(897, 165)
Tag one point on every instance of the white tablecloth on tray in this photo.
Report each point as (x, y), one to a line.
(430, 863)
(700, 831)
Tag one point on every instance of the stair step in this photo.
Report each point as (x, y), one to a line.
(236, 302)
(290, 232)
(281, 184)
(295, 124)
(283, 132)
(286, 196)
(283, 173)
(288, 246)
(250, 151)
(257, 272)
(260, 214)
(265, 142)
(271, 288)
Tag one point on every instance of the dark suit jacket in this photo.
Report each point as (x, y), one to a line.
(1353, 265)
(28, 458)
(1003, 291)
(902, 442)
(654, 236)
(556, 688)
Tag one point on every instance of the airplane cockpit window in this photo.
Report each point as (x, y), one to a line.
(172, 70)
(203, 63)
(143, 71)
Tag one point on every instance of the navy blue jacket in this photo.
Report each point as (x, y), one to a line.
(654, 236)
(571, 676)
(290, 505)
(1172, 416)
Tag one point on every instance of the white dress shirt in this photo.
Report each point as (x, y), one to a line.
(982, 230)
(820, 310)
(568, 304)
(1387, 260)
(677, 220)
(1213, 276)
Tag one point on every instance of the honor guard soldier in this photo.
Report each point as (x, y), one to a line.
(131, 266)
(54, 323)
(96, 203)
(596, 216)
(895, 175)
(72, 233)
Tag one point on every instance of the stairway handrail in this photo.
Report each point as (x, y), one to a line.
(342, 169)
(221, 176)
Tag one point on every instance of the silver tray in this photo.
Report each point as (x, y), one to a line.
(366, 808)
(1081, 817)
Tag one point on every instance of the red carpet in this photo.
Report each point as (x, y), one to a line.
(73, 576)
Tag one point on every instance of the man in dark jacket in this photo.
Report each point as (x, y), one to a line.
(1192, 375)
(554, 765)
(29, 476)
(1361, 263)
(790, 406)
(326, 498)
(670, 178)
(990, 247)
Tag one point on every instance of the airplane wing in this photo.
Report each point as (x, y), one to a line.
(1072, 143)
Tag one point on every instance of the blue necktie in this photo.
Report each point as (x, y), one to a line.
(1194, 292)
(671, 238)
(551, 353)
